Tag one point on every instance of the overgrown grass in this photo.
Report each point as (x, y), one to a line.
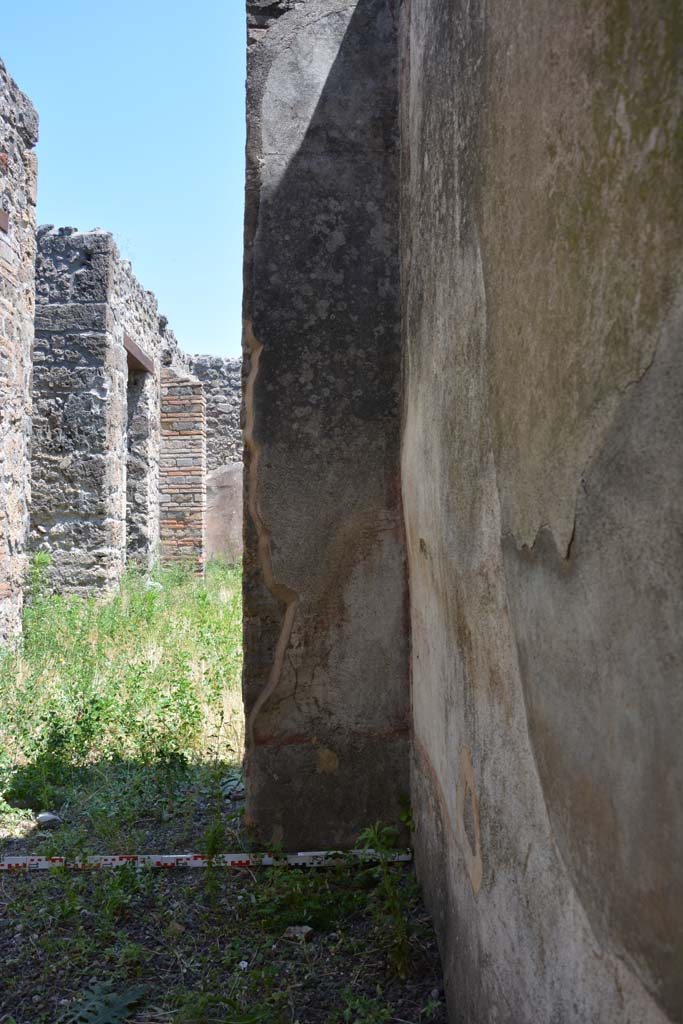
(118, 703)
(124, 716)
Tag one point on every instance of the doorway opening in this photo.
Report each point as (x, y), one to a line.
(140, 539)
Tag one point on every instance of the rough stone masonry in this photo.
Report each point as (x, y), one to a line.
(18, 136)
(221, 379)
(98, 438)
(534, 275)
(222, 383)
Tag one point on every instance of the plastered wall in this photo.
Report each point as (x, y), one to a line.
(542, 477)
(18, 136)
(325, 628)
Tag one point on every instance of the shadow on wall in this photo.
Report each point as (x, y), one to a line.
(322, 299)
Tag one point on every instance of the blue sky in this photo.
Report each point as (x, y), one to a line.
(141, 107)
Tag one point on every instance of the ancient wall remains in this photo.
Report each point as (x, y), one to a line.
(224, 515)
(222, 380)
(97, 401)
(183, 469)
(18, 136)
(222, 383)
(541, 468)
(543, 486)
(325, 628)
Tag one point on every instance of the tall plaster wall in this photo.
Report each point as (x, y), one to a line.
(325, 638)
(18, 136)
(542, 475)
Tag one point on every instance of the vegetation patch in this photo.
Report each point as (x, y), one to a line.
(122, 718)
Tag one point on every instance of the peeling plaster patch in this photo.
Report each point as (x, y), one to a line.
(283, 593)
(466, 792)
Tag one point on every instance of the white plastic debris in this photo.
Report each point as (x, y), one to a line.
(46, 819)
(298, 933)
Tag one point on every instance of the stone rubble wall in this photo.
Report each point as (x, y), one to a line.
(325, 598)
(97, 429)
(183, 469)
(78, 503)
(172, 356)
(18, 171)
(222, 380)
(135, 314)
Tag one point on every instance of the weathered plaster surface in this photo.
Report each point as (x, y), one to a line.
(18, 136)
(224, 516)
(325, 677)
(542, 486)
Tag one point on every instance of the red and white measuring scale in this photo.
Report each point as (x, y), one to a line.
(314, 859)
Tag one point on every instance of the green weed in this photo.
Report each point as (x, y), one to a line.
(361, 1009)
(101, 1005)
(382, 839)
(123, 716)
(147, 677)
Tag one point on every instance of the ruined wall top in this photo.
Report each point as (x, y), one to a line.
(17, 111)
(262, 13)
(86, 266)
(172, 356)
(73, 266)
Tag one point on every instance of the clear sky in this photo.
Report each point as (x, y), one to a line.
(141, 107)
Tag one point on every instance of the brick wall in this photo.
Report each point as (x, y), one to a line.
(182, 477)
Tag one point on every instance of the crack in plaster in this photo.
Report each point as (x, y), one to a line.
(289, 597)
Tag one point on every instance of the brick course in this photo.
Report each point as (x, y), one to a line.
(182, 469)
